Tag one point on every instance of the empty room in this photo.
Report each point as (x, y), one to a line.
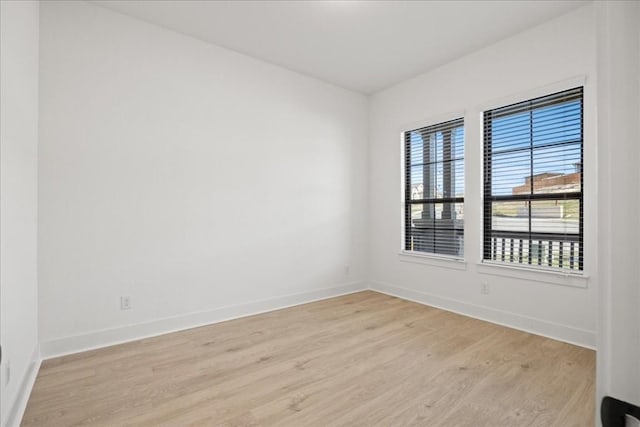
(320, 213)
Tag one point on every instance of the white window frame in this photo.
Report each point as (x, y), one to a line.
(432, 259)
(553, 276)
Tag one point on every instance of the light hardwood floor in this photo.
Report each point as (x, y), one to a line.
(363, 359)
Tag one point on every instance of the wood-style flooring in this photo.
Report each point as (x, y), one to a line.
(364, 359)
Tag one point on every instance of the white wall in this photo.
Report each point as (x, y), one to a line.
(18, 203)
(191, 178)
(526, 65)
(618, 366)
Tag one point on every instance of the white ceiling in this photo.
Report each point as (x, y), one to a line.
(365, 46)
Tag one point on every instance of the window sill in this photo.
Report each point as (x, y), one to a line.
(433, 260)
(577, 280)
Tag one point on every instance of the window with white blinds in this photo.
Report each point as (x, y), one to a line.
(434, 189)
(533, 182)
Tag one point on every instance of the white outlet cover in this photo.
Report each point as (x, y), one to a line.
(485, 288)
(125, 303)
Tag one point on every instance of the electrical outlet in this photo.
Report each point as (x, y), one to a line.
(347, 270)
(484, 288)
(125, 303)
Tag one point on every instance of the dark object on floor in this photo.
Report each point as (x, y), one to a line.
(613, 412)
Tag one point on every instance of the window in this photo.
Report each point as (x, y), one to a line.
(533, 191)
(434, 189)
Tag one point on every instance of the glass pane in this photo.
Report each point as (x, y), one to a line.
(422, 188)
(557, 123)
(557, 169)
(435, 184)
(416, 211)
(417, 186)
(510, 216)
(449, 211)
(555, 216)
(437, 228)
(422, 215)
(430, 146)
(547, 216)
(510, 173)
(450, 179)
(458, 178)
(416, 148)
(510, 132)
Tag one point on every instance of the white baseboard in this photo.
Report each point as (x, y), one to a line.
(556, 331)
(16, 409)
(107, 337)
